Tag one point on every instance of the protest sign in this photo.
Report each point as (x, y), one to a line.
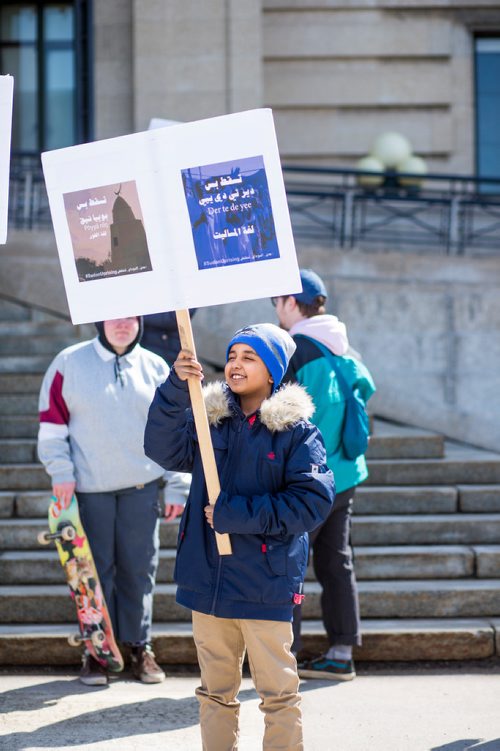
(172, 218)
(6, 96)
(160, 122)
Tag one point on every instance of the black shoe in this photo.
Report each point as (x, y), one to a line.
(145, 667)
(92, 672)
(326, 669)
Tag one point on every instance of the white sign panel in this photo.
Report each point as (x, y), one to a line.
(172, 218)
(6, 95)
(160, 122)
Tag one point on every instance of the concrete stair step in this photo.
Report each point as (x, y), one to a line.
(414, 639)
(21, 533)
(371, 563)
(406, 500)
(7, 505)
(32, 504)
(38, 344)
(51, 603)
(23, 477)
(19, 426)
(414, 562)
(438, 529)
(18, 404)
(392, 441)
(20, 383)
(26, 363)
(388, 599)
(479, 498)
(442, 598)
(43, 567)
(31, 328)
(39, 327)
(487, 561)
(9, 311)
(14, 450)
(30, 567)
(369, 500)
(451, 529)
(472, 468)
(402, 639)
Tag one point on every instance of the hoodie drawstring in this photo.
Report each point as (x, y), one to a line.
(118, 371)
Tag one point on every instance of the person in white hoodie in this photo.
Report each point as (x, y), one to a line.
(94, 403)
(319, 338)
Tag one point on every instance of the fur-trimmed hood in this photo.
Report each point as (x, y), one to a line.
(280, 411)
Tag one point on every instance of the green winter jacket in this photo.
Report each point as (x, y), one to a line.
(312, 369)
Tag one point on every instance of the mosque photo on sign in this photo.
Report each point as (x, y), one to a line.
(231, 214)
(107, 231)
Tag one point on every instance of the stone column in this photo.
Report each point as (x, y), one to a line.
(113, 92)
(194, 60)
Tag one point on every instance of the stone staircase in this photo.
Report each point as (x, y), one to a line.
(426, 534)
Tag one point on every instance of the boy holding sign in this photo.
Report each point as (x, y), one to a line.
(275, 488)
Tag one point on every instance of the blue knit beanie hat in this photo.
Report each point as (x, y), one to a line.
(273, 345)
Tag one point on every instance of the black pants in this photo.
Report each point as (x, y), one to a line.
(333, 566)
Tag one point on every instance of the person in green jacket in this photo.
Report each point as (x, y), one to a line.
(303, 316)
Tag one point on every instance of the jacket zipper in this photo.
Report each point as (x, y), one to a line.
(229, 464)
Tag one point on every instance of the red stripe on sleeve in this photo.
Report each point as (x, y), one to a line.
(58, 412)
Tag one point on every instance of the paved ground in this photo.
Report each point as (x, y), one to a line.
(397, 708)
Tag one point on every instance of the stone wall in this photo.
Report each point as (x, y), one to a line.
(180, 61)
(337, 74)
(113, 68)
(427, 327)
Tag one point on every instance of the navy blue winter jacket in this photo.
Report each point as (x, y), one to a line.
(275, 484)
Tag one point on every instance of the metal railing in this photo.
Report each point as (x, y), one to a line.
(449, 214)
(28, 202)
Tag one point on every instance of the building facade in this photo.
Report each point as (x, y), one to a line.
(337, 73)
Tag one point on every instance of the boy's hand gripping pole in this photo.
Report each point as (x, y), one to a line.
(202, 427)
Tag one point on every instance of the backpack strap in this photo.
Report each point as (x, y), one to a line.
(344, 386)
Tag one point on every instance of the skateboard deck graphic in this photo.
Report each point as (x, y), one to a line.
(96, 631)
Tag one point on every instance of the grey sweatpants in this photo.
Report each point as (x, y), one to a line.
(123, 532)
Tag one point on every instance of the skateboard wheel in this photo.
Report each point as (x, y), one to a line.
(75, 640)
(98, 638)
(42, 538)
(68, 533)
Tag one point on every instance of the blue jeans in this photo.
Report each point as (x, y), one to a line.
(122, 527)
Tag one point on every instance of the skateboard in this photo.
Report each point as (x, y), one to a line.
(96, 631)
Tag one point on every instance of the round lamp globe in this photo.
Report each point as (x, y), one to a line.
(414, 165)
(391, 149)
(370, 164)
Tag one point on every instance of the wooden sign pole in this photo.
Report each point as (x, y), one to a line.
(202, 427)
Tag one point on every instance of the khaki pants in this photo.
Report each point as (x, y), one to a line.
(220, 643)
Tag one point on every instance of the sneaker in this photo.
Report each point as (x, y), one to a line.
(323, 668)
(145, 667)
(92, 672)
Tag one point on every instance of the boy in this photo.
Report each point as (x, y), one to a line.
(275, 487)
(311, 328)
